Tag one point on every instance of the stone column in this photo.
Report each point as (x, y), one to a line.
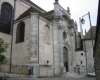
(61, 46)
(72, 40)
(58, 46)
(33, 65)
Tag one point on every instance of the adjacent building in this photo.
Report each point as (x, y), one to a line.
(88, 43)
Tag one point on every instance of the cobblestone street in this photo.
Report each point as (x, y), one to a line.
(68, 78)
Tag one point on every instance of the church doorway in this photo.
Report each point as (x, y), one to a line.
(65, 58)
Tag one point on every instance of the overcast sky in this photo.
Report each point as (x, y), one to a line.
(78, 8)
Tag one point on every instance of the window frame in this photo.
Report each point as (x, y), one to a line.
(20, 37)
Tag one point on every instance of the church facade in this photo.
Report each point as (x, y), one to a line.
(44, 42)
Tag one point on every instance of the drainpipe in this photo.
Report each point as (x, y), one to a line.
(53, 50)
(38, 38)
(13, 15)
(38, 43)
(85, 55)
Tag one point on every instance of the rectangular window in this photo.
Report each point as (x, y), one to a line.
(81, 62)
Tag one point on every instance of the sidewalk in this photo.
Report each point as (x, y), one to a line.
(14, 75)
(66, 75)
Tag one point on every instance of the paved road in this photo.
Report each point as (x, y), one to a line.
(86, 78)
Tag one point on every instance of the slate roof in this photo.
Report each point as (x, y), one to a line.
(48, 13)
(88, 35)
(35, 5)
(27, 13)
(32, 9)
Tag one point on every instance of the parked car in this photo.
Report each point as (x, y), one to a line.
(91, 74)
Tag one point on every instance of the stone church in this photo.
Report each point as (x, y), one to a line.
(40, 43)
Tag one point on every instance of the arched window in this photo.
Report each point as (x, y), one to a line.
(64, 35)
(65, 58)
(47, 33)
(6, 17)
(20, 32)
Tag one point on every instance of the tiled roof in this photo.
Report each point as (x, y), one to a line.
(27, 13)
(32, 9)
(88, 35)
(48, 13)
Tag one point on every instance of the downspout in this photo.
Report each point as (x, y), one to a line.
(13, 15)
(38, 38)
(53, 49)
(38, 43)
(85, 55)
(59, 47)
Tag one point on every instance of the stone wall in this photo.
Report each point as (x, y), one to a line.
(80, 67)
(45, 47)
(20, 7)
(21, 50)
(20, 69)
(89, 54)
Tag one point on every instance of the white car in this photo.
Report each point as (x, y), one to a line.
(91, 74)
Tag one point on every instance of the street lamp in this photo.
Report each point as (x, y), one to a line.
(83, 21)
